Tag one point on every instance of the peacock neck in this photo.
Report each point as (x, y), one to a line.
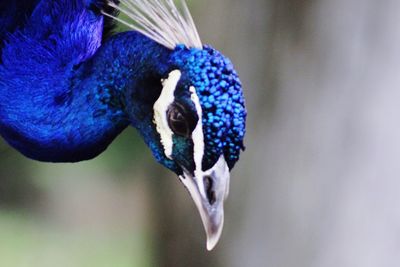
(73, 113)
(127, 73)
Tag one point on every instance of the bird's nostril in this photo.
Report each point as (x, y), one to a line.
(208, 184)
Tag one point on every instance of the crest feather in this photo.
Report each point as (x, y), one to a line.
(167, 22)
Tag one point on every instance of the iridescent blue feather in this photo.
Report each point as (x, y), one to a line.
(69, 86)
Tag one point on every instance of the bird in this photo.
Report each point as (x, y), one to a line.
(70, 84)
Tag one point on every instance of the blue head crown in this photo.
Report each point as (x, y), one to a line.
(223, 106)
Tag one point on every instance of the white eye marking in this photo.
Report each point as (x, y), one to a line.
(198, 135)
(160, 111)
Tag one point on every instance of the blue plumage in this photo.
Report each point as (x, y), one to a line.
(48, 109)
(67, 90)
(221, 96)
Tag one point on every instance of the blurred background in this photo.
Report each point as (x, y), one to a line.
(319, 183)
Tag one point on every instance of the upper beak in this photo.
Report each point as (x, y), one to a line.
(209, 190)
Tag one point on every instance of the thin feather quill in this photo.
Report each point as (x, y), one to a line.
(160, 20)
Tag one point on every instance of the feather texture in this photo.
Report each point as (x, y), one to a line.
(167, 22)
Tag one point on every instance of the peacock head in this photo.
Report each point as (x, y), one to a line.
(200, 118)
(197, 112)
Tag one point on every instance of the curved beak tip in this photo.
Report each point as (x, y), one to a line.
(214, 236)
(214, 183)
(211, 243)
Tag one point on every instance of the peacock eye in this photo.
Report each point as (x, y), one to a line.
(179, 120)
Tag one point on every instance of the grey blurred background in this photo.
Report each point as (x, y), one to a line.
(319, 184)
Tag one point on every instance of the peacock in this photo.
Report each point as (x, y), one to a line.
(70, 84)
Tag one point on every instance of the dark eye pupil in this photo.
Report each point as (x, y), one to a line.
(177, 121)
(177, 116)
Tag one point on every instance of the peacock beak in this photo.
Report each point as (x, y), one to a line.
(209, 191)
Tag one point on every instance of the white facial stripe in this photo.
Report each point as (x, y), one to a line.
(160, 111)
(198, 135)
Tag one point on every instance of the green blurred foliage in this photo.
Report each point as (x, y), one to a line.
(28, 241)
